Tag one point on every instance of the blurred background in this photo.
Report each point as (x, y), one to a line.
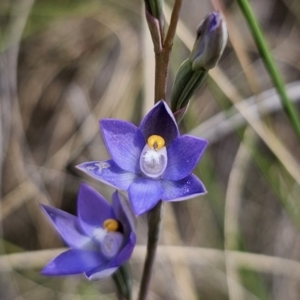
(65, 64)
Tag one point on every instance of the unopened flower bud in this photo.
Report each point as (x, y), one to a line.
(154, 8)
(186, 83)
(210, 43)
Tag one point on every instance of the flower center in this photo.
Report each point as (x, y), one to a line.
(108, 238)
(156, 142)
(153, 159)
(111, 225)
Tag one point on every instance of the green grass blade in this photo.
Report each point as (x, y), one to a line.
(268, 60)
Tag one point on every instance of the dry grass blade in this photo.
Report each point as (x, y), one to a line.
(109, 105)
(185, 287)
(219, 125)
(237, 178)
(198, 258)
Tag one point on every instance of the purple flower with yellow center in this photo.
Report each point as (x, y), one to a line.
(152, 162)
(101, 238)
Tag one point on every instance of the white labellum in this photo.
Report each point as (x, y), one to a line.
(153, 162)
(111, 244)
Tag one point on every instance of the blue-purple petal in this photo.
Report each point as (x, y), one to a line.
(160, 121)
(183, 189)
(184, 154)
(100, 273)
(123, 213)
(67, 226)
(108, 172)
(109, 268)
(93, 209)
(126, 251)
(144, 194)
(73, 261)
(124, 142)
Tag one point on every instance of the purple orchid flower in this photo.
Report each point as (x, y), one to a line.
(101, 238)
(152, 162)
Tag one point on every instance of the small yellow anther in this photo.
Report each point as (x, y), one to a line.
(156, 142)
(111, 225)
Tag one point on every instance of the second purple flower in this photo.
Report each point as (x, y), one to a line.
(151, 162)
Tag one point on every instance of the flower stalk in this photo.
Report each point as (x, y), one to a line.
(154, 225)
(162, 58)
(123, 281)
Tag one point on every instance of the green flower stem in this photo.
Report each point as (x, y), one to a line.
(268, 60)
(117, 278)
(154, 223)
(122, 278)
